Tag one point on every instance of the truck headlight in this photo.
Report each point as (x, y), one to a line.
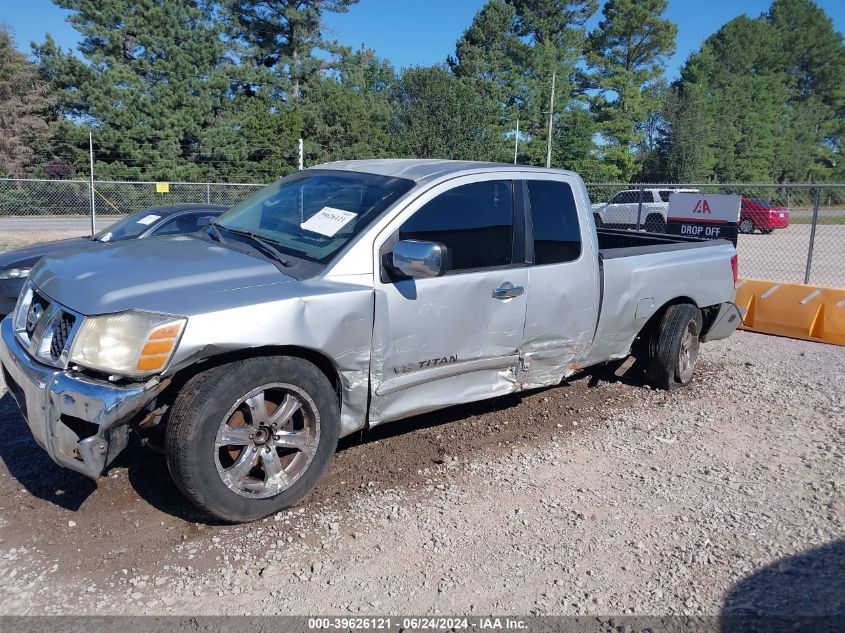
(134, 344)
(14, 273)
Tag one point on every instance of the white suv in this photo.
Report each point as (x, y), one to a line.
(623, 208)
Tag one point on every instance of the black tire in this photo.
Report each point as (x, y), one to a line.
(655, 224)
(679, 327)
(766, 231)
(746, 226)
(599, 223)
(202, 406)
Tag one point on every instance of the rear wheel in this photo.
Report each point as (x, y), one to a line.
(766, 231)
(250, 438)
(673, 347)
(655, 224)
(746, 225)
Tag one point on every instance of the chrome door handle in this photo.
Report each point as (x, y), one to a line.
(508, 291)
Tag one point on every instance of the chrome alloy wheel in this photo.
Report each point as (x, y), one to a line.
(688, 352)
(267, 440)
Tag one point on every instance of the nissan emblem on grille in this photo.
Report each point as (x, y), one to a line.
(33, 316)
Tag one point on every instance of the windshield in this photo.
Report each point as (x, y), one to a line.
(129, 227)
(314, 214)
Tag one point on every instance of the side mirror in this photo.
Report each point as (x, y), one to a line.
(418, 260)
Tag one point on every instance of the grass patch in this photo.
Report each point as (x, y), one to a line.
(822, 220)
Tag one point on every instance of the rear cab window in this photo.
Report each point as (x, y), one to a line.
(554, 219)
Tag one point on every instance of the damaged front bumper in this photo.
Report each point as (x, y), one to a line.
(79, 421)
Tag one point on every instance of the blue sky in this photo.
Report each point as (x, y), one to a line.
(419, 32)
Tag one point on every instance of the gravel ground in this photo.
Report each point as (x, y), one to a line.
(18, 238)
(599, 496)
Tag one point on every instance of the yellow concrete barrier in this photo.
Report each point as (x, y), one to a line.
(814, 313)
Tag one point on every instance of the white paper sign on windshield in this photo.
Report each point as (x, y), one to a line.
(328, 221)
(148, 219)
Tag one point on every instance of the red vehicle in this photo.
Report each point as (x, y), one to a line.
(762, 214)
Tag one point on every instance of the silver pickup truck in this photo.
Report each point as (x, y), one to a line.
(338, 298)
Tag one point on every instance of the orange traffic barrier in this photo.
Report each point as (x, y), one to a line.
(814, 313)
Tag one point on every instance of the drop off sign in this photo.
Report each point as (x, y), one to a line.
(713, 217)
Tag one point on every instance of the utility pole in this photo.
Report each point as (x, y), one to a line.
(516, 142)
(301, 156)
(91, 182)
(551, 114)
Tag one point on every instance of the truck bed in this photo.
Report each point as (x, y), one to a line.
(641, 272)
(614, 243)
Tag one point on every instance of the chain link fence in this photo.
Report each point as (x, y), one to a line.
(793, 233)
(32, 200)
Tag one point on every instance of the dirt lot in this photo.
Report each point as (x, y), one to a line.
(599, 496)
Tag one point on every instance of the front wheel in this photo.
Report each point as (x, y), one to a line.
(673, 347)
(746, 225)
(250, 438)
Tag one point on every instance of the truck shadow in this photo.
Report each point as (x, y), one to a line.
(805, 592)
(30, 465)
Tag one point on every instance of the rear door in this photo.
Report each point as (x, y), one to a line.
(563, 304)
(455, 338)
(622, 208)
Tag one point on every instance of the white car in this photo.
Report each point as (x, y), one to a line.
(623, 209)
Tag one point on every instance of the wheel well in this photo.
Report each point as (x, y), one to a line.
(323, 363)
(641, 339)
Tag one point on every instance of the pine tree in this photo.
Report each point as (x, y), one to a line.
(281, 37)
(438, 115)
(512, 49)
(25, 117)
(349, 116)
(627, 52)
(811, 57)
(152, 78)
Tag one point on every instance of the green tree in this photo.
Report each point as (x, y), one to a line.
(512, 49)
(348, 116)
(438, 115)
(810, 55)
(252, 139)
(744, 94)
(282, 38)
(491, 52)
(685, 132)
(627, 52)
(152, 76)
(25, 118)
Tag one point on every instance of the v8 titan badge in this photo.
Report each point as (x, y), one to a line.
(713, 217)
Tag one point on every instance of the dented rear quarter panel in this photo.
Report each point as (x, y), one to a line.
(637, 286)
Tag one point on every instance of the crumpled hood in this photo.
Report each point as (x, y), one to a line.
(177, 275)
(29, 255)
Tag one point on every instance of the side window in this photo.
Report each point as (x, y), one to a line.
(664, 196)
(474, 221)
(625, 197)
(554, 219)
(185, 223)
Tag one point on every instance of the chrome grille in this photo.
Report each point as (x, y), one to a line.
(61, 335)
(45, 328)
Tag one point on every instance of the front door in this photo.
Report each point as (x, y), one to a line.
(456, 338)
